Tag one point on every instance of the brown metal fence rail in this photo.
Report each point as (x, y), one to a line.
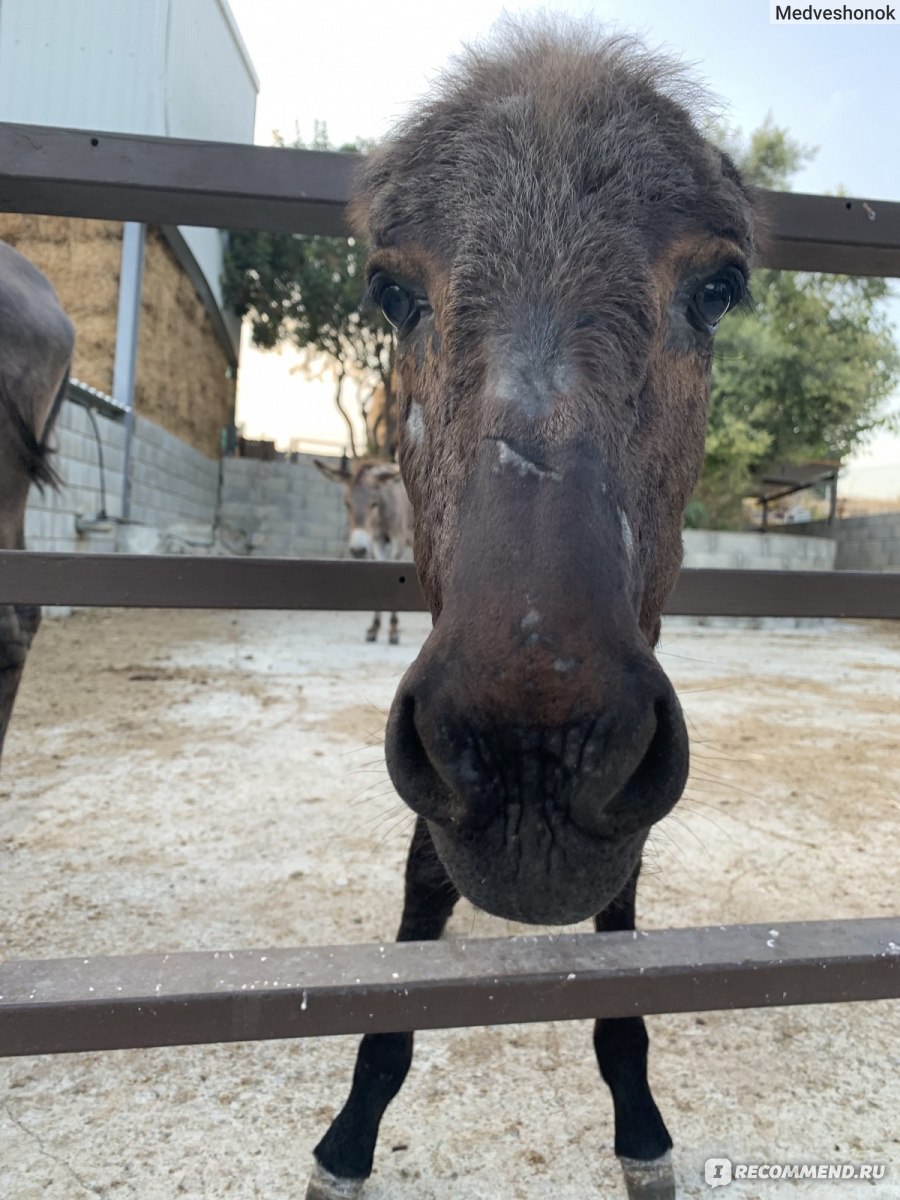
(56, 1006)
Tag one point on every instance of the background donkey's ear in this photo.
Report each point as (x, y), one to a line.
(339, 474)
(384, 472)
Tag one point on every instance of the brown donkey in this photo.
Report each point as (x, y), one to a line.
(36, 340)
(555, 243)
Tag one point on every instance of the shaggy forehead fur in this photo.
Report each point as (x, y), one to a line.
(566, 129)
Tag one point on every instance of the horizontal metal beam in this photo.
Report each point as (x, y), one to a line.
(839, 234)
(76, 1004)
(148, 581)
(172, 181)
(849, 594)
(176, 581)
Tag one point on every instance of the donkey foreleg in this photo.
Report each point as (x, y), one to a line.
(642, 1142)
(344, 1155)
(18, 625)
(372, 631)
(394, 635)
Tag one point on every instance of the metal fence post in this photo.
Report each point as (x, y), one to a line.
(128, 324)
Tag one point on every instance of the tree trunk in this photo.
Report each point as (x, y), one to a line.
(337, 402)
(391, 417)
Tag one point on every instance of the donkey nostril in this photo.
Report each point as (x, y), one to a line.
(408, 762)
(661, 775)
(415, 771)
(408, 744)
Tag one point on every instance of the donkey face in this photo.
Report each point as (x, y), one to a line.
(555, 243)
(370, 517)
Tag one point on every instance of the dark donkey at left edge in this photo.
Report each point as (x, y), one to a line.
(36, 342)
(555, 242)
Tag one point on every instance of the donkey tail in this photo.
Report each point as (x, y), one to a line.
(34, 453)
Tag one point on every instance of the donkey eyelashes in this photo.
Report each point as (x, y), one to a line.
(717, 295)
(707, 306)
(400, 306)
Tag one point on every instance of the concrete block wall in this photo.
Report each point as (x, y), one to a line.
(757, 551)
(171, 482)
(863, 543)
(286, 509)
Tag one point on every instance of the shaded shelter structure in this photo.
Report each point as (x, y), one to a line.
(786, 479)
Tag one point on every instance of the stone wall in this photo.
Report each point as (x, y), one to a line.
(288, 509)
(172, 483)
(757, 551)
(285, 509)
(863, 543)
(81, 259)
(185, 381)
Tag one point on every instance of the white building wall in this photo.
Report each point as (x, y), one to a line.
(84, 64)
(208, 73)
(175, 68)
(210, 94)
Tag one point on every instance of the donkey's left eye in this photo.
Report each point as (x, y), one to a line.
(713, 299)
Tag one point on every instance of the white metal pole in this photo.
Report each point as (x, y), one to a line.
(127, 329)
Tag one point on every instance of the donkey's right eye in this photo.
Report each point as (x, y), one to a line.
(397, 305)
(400, 307)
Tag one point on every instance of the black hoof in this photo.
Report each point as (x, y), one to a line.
(325, 1186)
(653, 1180)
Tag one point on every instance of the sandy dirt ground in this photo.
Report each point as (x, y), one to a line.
(214, 780)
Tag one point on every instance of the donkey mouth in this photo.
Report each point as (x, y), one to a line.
(536, 842)
(537, 874)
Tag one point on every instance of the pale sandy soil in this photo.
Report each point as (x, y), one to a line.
(214, 780)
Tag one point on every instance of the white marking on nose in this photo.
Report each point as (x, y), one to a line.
(415, 424)
(360, 541)
(531, 618)
(627, 535)
(530, 376)
(524, 466)
(564, 665)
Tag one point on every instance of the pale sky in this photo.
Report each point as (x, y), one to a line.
(358, 66)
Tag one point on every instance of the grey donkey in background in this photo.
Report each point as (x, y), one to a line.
(36, 343)
(379, 518)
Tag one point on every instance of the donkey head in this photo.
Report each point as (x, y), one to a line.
(555, 243)
(368, 513)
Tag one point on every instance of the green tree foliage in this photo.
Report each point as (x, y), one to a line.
(308, 291)
(799, 375)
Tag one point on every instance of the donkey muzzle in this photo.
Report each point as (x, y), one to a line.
(536, 732)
